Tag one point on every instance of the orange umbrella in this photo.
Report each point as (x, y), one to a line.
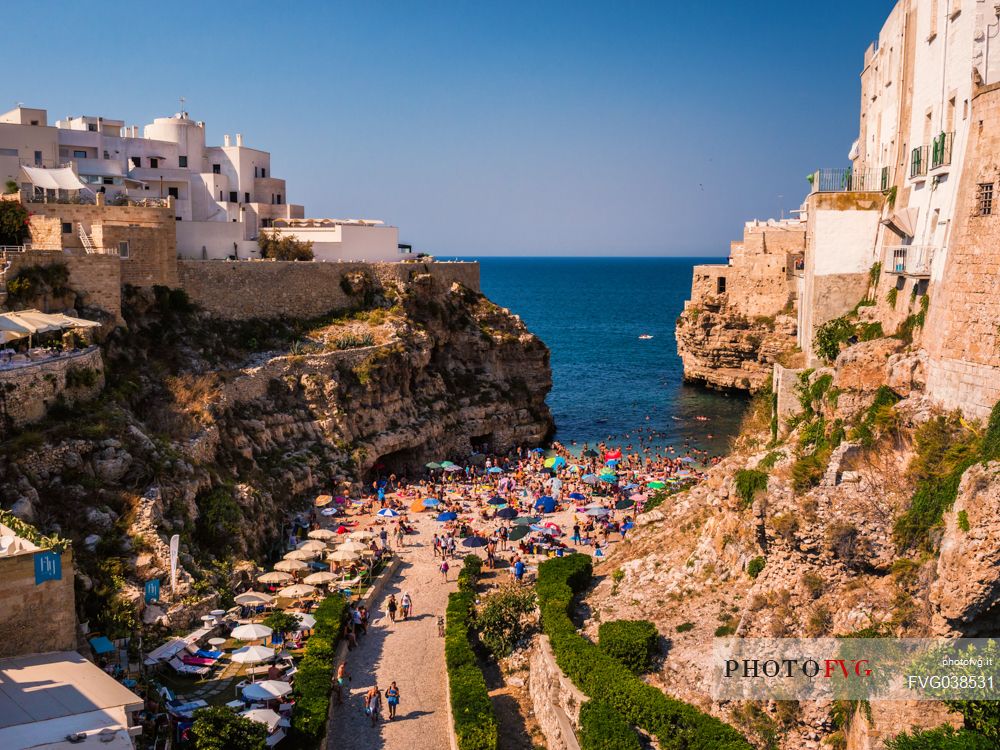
(417, 506)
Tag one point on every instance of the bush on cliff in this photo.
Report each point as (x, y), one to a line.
(675, 724)
(942, 738)
(277, 247)
(603, 728)
(13, 223)
(634, 643)
(500, 618)
(220, 729)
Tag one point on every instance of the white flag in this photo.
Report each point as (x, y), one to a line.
(175, 544)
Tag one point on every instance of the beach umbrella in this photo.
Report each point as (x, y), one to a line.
(546, 504)
(302, 554)
(447, 516)
(548, 463)
(474, 541)
(527, 520)
(590, 453)
(446, 464)
(593, 505)
(577, 496)
(387, 513)
(312, 545)
(589, 479)
(547, 530)
(518, 532)
(249, 598)
(638, 497)
(495, 470)
(320, 578)
(537, 450)
(323, 500)
(598, 512)
(558, 462)
(611, 462)
(431, 502)
(608, 477)
(629, 486)
(275, 576)
(296, 590)
(253, 631)
(656, 485)
(329, 512)
(342, 555)
(507, 513)
(306, 620)
(497, 500)
(290, 566)
(417, 506)
(452, 468)
(623, 504)
(353, 546)
(433, 465)
(264, 716)
(616, 453)
(362, 535)
(322, 534)
(553, 529)
(252, 654)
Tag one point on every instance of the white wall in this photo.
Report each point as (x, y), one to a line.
(844, 241)
(349, 241)
(213, 240)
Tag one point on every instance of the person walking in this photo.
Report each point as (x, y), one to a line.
(373, 703)
(340, 682)
(392, 699)
(407, 605)
(400, 536)
(391, 607)
(444, 570)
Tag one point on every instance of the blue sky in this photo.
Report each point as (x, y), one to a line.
(504, 128)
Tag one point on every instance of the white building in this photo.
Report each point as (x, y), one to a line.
(346, 239)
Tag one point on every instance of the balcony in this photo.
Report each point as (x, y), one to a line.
(850, 180)
(919, 159)
(910, 260)
(941, 150)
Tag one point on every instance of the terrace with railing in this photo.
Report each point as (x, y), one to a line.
(910, 260)
(850, 180)
(928, 158)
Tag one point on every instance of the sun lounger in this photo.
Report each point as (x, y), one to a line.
(275, 738)
(206, 654)
(198, 661)
(181, 668)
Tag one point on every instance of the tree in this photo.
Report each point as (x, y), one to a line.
(281, 622)
(11, 187)
(13, 223)
(279, 247)
(220, 729)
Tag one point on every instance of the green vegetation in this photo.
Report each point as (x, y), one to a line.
(945, 448)
(13, 223)
(635, 643)
(11, 187)
(471, 709)
(220, 518)
(767, 463)
(830, 336)
(220, 728)
(748, 482)
(350, 341)
(281, 622)
(913, 321)
(891, 296)
(878, 418)
(942, 738)
(755, 566)
(34, 282)
(499, 618)
(277, 247)
(80, 377)
(29, 532)
(675, 724)
(963, 521)
(685, 627)
(603, 728)
(314, 680)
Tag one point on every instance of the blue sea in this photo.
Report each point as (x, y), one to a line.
(606, 381)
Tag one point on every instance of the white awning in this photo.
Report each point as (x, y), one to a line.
(32, 321)
(63, 178)
(903, 221)
(854, 152)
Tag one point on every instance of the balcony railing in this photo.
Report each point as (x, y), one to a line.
(910, 260)
(919, 157)
(851, 180)
(941, 150)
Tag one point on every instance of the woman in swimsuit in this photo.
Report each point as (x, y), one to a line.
(392, 699)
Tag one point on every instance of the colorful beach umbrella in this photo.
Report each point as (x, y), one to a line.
(446, 516)
(577, 496)
(495, 470)
(474, 541)
(558, 462)
(387, 513)
(446, 464)
(497, 500)
(507, 513)
(431, 502)
(417, 506)
(518, 532)
(598, 512)
(527, 520)
(623, 504)
(589, 479)
(546, 504)
(549, 462)
(656, 485)
(432, 465)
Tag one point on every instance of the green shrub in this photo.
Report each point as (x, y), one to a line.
(471, 709)
(13, 223)
(80, 377)
(675, 724)
(500, 618)
(942, 738)
(685, 627)
(724, 630)
(273, 245)
(767, 463)
(891, 297)
(830, 336)
(350, 341)
(219, 728)
(748, 483)
(871, 331)
(603, 728)
(963, 521)
(314, 679)
(755, 566)
(634, 643)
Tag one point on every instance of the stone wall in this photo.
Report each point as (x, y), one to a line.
(28, 392)
(962, 334)
(241, 290)
(96, 279)
(555, 699)
(152, 252)
(35, 618)
(785, 386)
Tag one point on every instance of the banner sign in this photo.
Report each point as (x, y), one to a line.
(175, 544)
(48, 566)
(151, 593)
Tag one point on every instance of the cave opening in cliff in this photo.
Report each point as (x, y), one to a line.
(407, 462)
(482, 443)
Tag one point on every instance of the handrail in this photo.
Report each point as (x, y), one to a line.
(910, 260)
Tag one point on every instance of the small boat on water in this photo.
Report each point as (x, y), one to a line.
(644, 337)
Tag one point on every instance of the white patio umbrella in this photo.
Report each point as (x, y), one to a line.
(306, 621)
(313, 544)
(252, 654)
(250, 598)
(323, 534)
(267, 690)
(251, 632)
(362, 535)
(317, 579)
(343, 555)
(323, 500)
(302, 554)
(352, 546)
(291, 566)
(297, 590)
(275, 576)
(262, 715)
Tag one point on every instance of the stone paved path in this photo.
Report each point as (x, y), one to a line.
(410, 652)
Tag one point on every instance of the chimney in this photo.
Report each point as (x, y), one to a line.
(225, 140)
(239, 139)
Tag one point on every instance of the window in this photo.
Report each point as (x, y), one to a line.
(106, 155)
(154, 163)
(173, 192)
(67, 227)
(79, 154)
(255, 172)
(232, 196)
(91, 127)
(216, 169)
(123, 249)
(182, 162)
(279, 199)
(263, 172)
(265, 223)
(246, 197)
(136, 161)
(108, 180)
(34, 122)
(984, 199)
(12, 152)
(720, 285)
(38, 158)
(177, 218)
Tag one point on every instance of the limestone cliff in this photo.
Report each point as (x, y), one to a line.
(722, 348)
(214, 429)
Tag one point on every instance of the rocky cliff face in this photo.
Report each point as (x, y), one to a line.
(216, 431)
(723, 349)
